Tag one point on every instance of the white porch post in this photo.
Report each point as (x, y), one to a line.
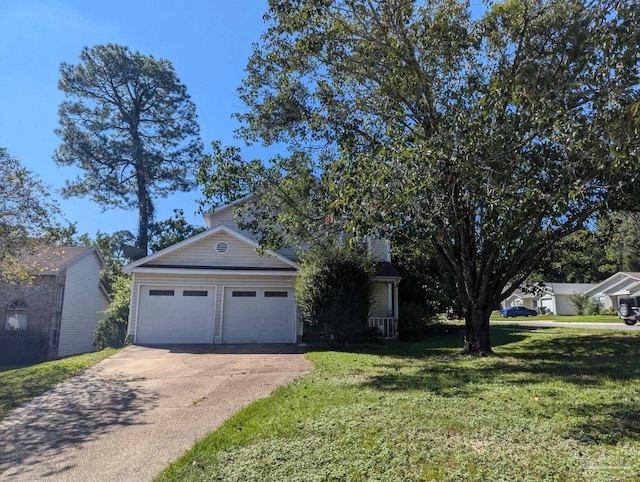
(396, 311)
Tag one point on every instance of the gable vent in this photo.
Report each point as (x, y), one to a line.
(222, 247)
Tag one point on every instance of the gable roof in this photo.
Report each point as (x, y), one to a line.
(615, 282)
(49, 259)
(198, 237)
(567, 288)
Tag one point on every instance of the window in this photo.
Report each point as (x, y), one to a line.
(243, 294)
(161, 292)
(275, 294)
(222, 247)
(194, 293)
(17, 315)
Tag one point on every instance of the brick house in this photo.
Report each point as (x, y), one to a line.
(64, 300)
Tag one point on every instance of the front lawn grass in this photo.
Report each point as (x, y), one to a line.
(19, 385)
(495, 316)
(552, 404)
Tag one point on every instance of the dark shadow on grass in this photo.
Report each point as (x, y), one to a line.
(608, 423)
(68, 416)
(584, 360)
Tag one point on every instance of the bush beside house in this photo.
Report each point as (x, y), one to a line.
(112, 329)
(333, 291)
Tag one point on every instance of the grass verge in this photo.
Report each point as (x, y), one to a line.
(563, 318)
(551, 405)
(19, 385)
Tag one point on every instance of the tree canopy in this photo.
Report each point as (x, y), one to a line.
(131, 127)
(27, 215)
(486, 138)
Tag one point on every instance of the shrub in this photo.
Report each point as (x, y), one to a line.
(22, 347)
(112, 329)
(594, 307)
(333, 290)
(580, 302)
(414, 320)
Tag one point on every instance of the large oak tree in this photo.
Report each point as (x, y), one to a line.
(131, 127)
(484, 137)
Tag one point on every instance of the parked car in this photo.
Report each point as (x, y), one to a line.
(629, 310)
(517, 311)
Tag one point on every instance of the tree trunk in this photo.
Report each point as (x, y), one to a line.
(143, 212)
(476, 338)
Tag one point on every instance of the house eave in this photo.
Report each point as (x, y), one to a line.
(219, 272)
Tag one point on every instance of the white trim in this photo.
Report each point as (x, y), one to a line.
(221, 272)
(621, 275)
(205, 234)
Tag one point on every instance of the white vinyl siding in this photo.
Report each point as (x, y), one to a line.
(224, 217)
(206, 280)
(564, 305)
(378, 249)
(379, 301)
(83, 306)
(203, 253)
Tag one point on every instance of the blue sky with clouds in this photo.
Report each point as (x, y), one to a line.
(208, 42)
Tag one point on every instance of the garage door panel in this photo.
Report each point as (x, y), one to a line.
(176, 314)
(258, 315)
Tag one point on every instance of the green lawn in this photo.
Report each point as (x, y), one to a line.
(495, 316)
(19, 385)
(552, 405)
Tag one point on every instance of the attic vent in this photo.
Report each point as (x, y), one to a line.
(222, 247)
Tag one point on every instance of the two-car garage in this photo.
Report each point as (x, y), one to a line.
(190, 314)
(214, 287)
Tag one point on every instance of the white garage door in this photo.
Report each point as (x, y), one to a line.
(175, 314)
(259, 315)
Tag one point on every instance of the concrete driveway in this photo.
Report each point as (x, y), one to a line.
(133, 413)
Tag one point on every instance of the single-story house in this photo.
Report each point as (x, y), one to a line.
(64, 300)
(620, 285)
(217, 287)
(554, 298)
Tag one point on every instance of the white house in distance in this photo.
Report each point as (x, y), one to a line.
(620, 285)
(555, 298)
(215, 288)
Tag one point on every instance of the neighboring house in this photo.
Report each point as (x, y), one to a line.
(554, 298)
(215, 288)
(620, 285)
(64, 299)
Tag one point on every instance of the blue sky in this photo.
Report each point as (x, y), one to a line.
(208, 42)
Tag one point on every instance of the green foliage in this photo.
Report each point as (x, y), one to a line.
(27, 215)
(580, 302)
(486, 139)
(112, 329)
(578, 258)
(21, 347)
(163, 234)
(130, 126)
(622, 231)
(426, 289)
(20, 385)
(333, 290)
(555, 405)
